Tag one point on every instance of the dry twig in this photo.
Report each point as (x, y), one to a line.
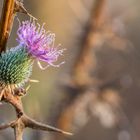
(83, 65)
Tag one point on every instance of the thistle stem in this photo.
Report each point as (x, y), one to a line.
(6, 22)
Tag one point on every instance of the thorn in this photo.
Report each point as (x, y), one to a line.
(67, 133)
(28, 88)
(34, 81)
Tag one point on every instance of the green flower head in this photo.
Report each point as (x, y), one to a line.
(15, 66)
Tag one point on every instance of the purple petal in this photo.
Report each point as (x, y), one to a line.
(39, 43)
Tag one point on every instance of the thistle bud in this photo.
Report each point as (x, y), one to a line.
(15, 66)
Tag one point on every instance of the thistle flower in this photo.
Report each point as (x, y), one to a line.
(34, 43)
(15, 66)
(39, 43)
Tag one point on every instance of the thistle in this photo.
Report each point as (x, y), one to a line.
(15, 66)
(34, 44)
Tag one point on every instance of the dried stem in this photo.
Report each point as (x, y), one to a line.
(14, 101)
(24, 121)
(8, 13)
(4, 126)
(18, 130)
(83, 64)
(36, 125)
(6, 22)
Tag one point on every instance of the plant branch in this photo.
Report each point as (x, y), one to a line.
(6, 23)
(84, 62)
(5, 126)
(37, 125)
(18, 130)
(15, 101)
(24, 121)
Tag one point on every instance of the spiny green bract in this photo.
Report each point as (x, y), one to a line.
(15, 66)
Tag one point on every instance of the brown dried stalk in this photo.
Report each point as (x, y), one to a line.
(8, 13)
(83, 65)
(6, 22)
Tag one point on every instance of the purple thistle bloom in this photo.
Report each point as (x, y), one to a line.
(39, 43)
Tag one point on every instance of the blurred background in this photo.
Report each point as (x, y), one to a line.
(95, 94)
